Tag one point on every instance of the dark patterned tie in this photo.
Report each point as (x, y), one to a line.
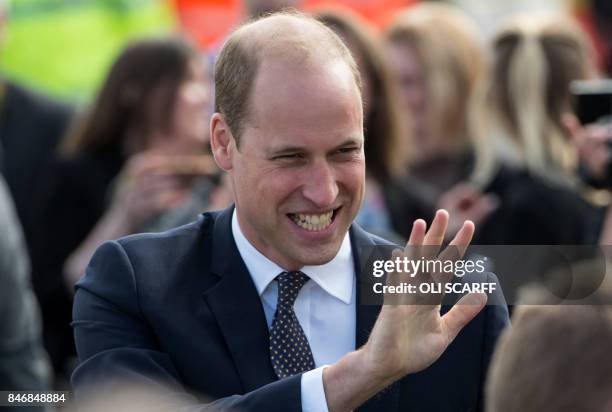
(289, 349)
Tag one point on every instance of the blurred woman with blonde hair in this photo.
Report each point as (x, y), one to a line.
(523, 150)
(437, 59)
(436, 56)
(535, 58)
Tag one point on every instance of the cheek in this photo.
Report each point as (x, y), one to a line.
(281, 184)
(352, 176)
(264, 186)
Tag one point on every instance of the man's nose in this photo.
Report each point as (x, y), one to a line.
(321, 187)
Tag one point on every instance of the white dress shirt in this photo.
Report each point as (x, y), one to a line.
(325, 308)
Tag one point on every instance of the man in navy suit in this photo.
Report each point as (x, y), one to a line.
(204, 307)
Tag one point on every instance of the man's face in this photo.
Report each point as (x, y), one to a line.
(299, 175)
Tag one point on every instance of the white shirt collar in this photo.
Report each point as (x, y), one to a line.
(335, 277)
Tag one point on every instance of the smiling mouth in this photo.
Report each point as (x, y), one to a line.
(314, 222)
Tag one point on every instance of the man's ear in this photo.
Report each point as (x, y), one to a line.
(222, 142)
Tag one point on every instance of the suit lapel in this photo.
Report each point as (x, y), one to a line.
(362, 243)
(237, 307)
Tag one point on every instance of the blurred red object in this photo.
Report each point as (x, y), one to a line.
(584, 14)
(208, 21)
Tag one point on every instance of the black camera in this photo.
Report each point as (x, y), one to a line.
(593, 101)
(593, 105)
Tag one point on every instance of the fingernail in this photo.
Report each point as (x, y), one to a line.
(476, 299)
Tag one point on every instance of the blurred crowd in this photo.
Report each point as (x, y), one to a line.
(485, 130)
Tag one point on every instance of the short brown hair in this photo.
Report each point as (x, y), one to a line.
(554, 358)
(294, 36)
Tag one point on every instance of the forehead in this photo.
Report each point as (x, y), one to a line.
(300, 100)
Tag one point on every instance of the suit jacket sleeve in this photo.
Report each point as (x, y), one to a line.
(115, 343)
(23, 362)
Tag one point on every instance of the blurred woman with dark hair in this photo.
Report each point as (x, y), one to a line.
(132, 157)
(388, 208)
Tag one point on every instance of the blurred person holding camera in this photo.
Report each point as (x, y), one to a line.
(524, 152)
(131, 158)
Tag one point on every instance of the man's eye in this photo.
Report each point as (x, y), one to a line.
(348, 150)
(292, 156)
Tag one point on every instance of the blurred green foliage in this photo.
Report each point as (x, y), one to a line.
(65, 47)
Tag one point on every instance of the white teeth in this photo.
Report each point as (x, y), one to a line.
(313, 222)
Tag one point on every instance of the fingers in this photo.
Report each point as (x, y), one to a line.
(572, 125)
(417, 235)
(435, 234)
(456, 248)
(144, 207)
(455, 197)
(462, 313)
(597, 133)
(152, 195)
(486, 205)
(427, 244)
(463, 237)
(144, 163)
(395, 279)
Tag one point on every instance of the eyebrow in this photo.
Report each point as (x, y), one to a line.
(280, 150)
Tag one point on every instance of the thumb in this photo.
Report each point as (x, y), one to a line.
(572, 125)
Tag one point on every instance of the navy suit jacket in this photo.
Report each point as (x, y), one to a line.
(180, 308)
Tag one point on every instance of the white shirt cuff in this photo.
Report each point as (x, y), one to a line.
(313, 393)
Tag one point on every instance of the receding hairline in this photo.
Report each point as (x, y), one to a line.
(290, 38)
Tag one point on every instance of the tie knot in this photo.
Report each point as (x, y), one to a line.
(289, 286)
